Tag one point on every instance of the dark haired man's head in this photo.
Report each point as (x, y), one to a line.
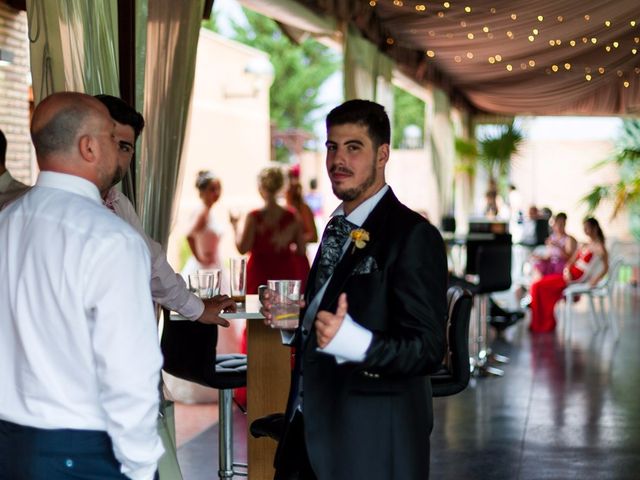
(3, 150)
(123, 113)
(358, 136)
(129, 125)
(366, 113)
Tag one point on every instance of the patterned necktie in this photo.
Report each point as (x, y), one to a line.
(336, 233)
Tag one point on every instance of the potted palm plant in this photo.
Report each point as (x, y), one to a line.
(495, 150)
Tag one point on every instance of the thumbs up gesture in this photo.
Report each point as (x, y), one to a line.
(327, 324)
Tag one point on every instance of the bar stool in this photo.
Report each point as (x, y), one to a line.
(189, 350)
(493, 270)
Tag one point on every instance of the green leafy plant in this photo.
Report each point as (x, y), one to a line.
(466, 156)
(624, 193)
(496, 149)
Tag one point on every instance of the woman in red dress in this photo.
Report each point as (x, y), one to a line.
(588, 264)
(273, 237)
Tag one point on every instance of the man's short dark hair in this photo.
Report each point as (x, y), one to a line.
(3, 148)
(123, 113)
(366, 113)
(561, 216)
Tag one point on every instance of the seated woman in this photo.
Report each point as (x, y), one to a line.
(588, 264)
(557, 250)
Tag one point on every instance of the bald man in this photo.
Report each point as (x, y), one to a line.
(79, 347)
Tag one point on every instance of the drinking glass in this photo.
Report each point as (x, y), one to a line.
(216, 279)
(285, 306)
(238, 288)
(201, 284)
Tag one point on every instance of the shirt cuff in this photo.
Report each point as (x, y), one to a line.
(350, 343)
(193, 308)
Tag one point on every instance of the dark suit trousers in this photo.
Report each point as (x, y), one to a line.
(28, 453)
(294, 464)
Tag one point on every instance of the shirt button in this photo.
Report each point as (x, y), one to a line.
(68, 463)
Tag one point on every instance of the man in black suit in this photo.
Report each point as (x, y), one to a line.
(374, 325)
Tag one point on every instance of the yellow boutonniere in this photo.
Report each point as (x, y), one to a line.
(360, 237)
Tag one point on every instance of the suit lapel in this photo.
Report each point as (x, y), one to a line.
(374, 224)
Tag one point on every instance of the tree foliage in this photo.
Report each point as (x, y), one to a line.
(407, 110)
(299, 70)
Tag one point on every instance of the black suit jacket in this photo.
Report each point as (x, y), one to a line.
(372, 420)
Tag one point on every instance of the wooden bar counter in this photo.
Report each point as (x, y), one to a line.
(268, 379)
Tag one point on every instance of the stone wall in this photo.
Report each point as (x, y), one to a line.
(14, 93)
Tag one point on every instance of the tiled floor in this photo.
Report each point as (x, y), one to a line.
(561, 411)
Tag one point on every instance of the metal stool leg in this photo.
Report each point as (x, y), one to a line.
(226, 466)
(481, 365)
(225, 434)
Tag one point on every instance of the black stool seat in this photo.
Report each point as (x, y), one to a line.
(231, 371)
(269, 426)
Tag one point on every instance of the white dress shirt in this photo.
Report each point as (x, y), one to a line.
(167, 287)
(79, 345)
(10, 188)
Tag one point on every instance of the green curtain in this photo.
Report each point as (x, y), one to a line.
(367, 72)
(440, 131)
(171, 43)
(74, 46)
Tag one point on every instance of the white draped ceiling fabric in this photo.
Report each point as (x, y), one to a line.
(543, 57)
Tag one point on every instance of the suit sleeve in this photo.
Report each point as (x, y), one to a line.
(414, 341)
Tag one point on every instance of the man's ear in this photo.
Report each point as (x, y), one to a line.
(87, 146)
(383, 154)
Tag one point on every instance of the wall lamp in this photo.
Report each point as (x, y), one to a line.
(6, 57)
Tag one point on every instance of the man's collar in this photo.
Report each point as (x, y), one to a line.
(69, 183)
(362, 211)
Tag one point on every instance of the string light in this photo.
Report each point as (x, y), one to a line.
(601, 70)
(372, 3)
(626, 84)
(567, 66)
(446, 4)
(470, 36)
(554, 68)
(632, 23)
(498, 58)
(509, 67)
(540, 18)
(514, 16)
(572, 43)
(469, 55)
(467, 9)
(607, 23)
(532, 63)
(390, 41)
(587, 77)
(485, 29)
(616, 44)
(431, 53)
(457, 59)
(420, 8)
(492, 60)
